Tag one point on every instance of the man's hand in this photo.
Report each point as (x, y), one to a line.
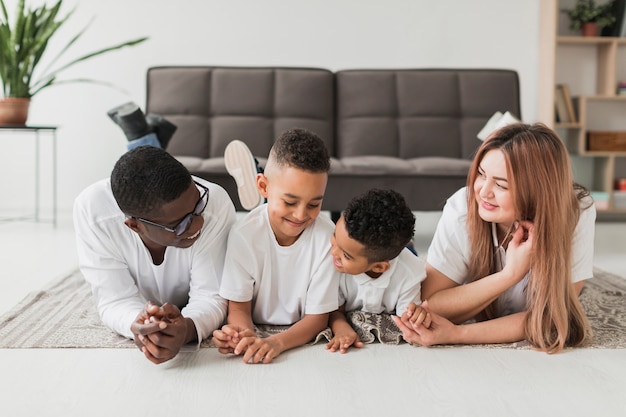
(146, 322)
(160, 332)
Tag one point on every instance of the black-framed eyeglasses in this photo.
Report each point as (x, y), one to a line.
(184, 224)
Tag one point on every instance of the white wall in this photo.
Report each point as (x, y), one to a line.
(334, 34)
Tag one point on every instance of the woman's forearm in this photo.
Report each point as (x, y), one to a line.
(507, 329)
(463, 302)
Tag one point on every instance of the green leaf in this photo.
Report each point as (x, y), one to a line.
(23, 45)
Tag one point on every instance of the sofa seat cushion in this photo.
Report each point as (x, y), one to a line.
(441, 166)
(192, 163)
(372, 165)
(387, 165)
(208, 165)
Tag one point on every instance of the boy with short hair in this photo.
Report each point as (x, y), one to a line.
(278, 268)
(151, 242)
(378, 273)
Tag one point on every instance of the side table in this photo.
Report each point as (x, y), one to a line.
(36, 131)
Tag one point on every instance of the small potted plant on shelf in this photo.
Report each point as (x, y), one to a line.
(21, 48)
(590, 17)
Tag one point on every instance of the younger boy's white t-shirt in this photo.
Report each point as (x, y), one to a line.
(389, 293)
(283, 282)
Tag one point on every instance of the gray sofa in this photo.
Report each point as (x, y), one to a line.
(412, 130)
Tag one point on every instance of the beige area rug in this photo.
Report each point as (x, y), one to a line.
(63, 315)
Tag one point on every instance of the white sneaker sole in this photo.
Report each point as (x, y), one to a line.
(240, 165)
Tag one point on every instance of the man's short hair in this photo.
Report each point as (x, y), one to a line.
(301, 149)
(381, 221)
(145, 178)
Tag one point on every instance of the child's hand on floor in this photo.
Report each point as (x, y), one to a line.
(343, 341)
(414, 316)
(228, 337)
(258, 350)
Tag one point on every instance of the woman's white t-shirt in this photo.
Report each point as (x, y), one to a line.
(450, 253)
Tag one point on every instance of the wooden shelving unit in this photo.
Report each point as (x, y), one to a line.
(592, 68)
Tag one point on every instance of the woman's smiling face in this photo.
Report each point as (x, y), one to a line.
(491, 187)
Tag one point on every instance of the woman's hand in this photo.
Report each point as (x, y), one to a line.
(441, 331)
(519, 251)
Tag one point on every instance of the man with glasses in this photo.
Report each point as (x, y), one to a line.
(151, 243)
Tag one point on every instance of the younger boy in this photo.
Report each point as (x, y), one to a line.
(378, 273)
(278, 268)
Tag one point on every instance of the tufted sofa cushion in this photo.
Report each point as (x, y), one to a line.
(417, 113)
(213, 105)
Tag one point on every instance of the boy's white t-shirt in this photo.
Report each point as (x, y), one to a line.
(389, 293)
(283, 282)
(450, 252)
(118, 266)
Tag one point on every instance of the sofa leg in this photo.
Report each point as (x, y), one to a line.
(335, 215)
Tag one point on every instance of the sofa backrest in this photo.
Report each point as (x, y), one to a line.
(213, 105)
(412, 113)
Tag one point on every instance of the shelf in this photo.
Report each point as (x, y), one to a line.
(611, 211)
(602, 97)
(591, 67)
(560, 125)
(588, 40)
(602, 153)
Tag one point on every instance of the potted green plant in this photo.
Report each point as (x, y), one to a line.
(21, 48)
(590, 16)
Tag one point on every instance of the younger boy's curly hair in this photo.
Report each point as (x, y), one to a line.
(145, 178)
(381, 221)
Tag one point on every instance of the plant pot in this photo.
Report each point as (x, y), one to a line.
(14, 111)
(590, 29)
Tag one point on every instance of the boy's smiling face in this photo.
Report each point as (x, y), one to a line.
(348, 254)
(294, 200)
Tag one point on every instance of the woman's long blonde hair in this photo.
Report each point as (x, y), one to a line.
(543, 191)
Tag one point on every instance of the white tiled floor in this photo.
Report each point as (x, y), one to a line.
(580, 382)
(32, 255)
(35, 253)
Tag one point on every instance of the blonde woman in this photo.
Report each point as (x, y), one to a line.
(511, 251)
